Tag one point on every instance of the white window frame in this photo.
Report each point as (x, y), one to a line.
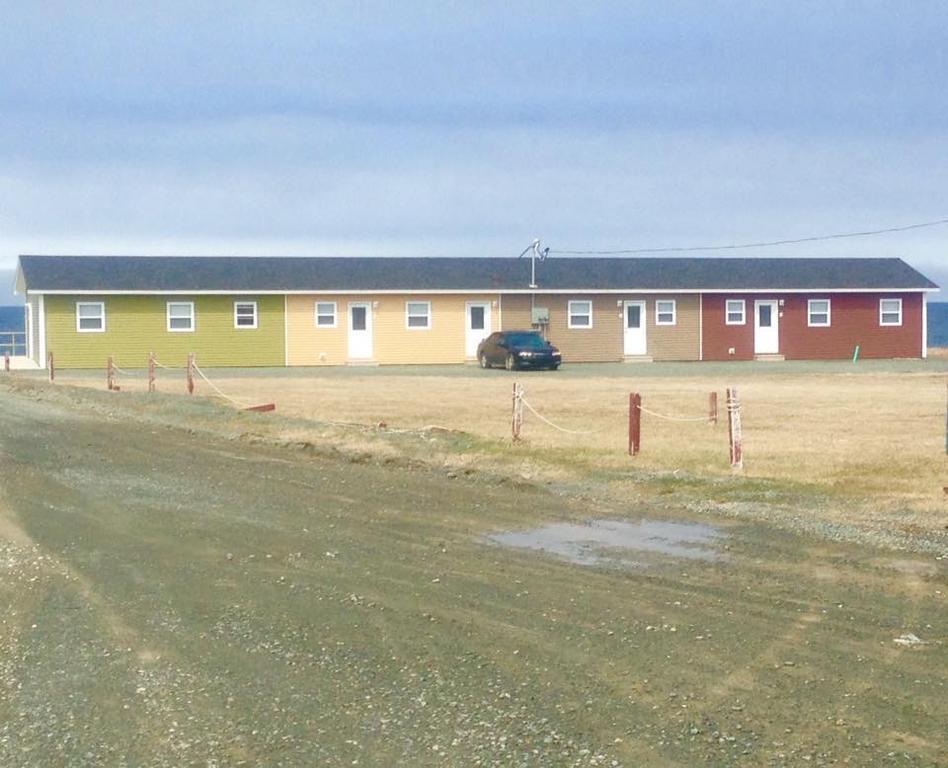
(828, 313)
(659, 312)
(317, 314)
(237, 325)
(168, 317)
(728, 312)
(570, 312)
(409, 315)
(101, 306)
(883, 313)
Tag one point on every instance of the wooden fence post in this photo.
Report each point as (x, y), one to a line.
(190, 373)
(635, 423)
(735, 434)
(151, 371)
(51, 367)
(110, 374)
(6, 361)
(516, 420)
(713, 407)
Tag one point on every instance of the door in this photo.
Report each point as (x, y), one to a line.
(477, 326)
(360, 331)
(766, 338)
(634, 323)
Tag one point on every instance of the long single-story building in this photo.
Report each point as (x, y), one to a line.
(276, 311)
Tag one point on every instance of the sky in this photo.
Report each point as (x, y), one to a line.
(468, 129)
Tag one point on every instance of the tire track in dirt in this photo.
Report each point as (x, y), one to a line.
(155, 672)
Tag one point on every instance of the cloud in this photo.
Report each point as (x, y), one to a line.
(440, 128)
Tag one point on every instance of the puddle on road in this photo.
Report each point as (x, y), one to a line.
(618, 542)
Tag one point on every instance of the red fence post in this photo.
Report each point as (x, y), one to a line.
(713, 408)
(735, 433)
(51, 367)
(151, 371)
(110, 374)
(635, 423)
(190, 373)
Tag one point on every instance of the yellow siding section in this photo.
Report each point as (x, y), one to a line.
(604, 341)
(135, 325)
(393, 342)
(308, 345)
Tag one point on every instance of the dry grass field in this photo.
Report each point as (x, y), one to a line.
(874, 433)
(867, 440)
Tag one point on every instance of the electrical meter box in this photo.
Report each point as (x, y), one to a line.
(541, 316)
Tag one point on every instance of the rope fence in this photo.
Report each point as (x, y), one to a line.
(191, 369)
(546, 421)
(667, 417)
(217, 389)
(520, 404)
(636, 409)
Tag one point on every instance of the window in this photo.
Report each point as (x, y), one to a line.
(890, 312)
(665, 312)
(180, 316)
(325, 314)
(418, 315)
(90, 316)
(245, 314)
(580, 314)
(735, 312)
(818, 313)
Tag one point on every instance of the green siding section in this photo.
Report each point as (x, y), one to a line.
(136, 325)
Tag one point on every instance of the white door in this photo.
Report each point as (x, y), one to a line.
(634, 324)
(477, 326)
(360, 331)
(766, 338)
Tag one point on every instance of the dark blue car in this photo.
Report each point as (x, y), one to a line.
(518, 349)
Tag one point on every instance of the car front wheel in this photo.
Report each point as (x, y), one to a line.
(511, 362)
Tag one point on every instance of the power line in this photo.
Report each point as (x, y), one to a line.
(738, 246)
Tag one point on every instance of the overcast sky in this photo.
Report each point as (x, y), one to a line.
(470, 128)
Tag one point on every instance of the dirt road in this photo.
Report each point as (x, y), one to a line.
(174, 599)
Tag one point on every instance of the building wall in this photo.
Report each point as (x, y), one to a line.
(604, 342)
(675, 342)
(393, 341)
(135, 325)
(33, 329)
(854, 320)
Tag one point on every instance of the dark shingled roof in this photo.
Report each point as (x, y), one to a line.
(88, 274)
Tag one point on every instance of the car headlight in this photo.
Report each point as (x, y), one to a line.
(525, 354)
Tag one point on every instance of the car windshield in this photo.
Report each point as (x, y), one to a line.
(526, 341)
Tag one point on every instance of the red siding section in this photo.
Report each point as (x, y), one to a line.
(854, 320)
